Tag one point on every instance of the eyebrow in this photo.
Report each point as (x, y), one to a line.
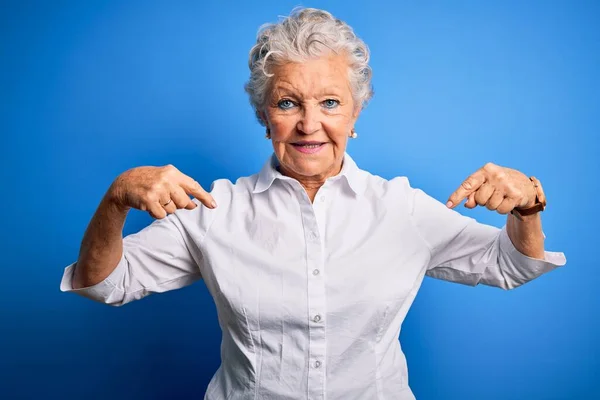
(282, 90)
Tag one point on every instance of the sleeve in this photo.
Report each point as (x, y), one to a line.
(468, 252)
(163, 256)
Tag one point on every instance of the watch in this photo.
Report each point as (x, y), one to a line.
(540, 202)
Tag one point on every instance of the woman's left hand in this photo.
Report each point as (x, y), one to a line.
(498, 188)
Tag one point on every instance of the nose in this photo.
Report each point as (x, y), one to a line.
(310, 121)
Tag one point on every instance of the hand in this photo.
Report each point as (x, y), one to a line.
(498, 188)
(158, 190)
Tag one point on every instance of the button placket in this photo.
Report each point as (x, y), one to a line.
(312, 215)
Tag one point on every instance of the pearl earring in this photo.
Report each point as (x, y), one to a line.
(353, 134)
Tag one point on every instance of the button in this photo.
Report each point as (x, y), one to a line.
(316, 272)
(317, 318)
(317, 364)
(313, 235)
(322, 199)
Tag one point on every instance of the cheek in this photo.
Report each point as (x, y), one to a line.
(281, 126)
(341, 143)
(338, 132)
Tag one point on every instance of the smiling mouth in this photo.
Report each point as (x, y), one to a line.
(307, 143)
(308, 146)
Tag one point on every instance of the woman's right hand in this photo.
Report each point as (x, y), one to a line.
(158, 190)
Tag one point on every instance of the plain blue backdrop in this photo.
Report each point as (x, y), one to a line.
(90, 89)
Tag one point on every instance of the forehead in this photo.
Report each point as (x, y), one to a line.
(330, 72)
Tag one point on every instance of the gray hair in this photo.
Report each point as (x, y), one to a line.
(307, 33)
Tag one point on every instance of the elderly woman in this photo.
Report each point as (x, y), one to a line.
(312, 263)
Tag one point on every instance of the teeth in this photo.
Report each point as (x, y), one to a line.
(310, 146)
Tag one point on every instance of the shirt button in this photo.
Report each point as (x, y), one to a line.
(317, 364)
(316, 272)
(317, 318)
(313, 235)
(322, 199)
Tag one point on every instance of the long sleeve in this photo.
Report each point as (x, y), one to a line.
(466, 251)
(163, 256)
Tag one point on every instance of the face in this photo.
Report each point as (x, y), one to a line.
(310, 113)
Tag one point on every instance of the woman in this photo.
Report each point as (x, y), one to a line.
(313, 263)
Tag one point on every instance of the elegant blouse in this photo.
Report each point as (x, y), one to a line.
(311, 296)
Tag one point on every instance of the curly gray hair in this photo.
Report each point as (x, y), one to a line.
(306, 33)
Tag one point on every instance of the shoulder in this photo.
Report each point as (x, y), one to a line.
(401, 194)
(226, 195)
(377, 187)
(231, 196)
(225, 191)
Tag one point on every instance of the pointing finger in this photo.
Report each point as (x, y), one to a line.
(193, 188)
(469, 186)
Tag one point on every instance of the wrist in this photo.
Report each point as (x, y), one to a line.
(524, 218)
(114, 198)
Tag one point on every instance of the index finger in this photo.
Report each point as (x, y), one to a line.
(469, 185)
(192, 187)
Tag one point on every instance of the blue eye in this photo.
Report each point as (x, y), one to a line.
(331, 103)
(285, 104)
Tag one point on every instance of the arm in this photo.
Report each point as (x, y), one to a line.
(504, 190)
(526, 235)
(102, 245)
(163, 256)
(468, 252)
(465, 251)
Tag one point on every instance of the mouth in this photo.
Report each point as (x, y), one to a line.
(308, 146)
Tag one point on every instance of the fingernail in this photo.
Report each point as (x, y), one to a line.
(449, 204)
(213, 204)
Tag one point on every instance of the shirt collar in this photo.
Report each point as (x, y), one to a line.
(350, 172)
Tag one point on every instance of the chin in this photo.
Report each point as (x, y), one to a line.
(308, 167)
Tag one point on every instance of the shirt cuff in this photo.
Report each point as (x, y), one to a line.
(105, 291)
(525, 268)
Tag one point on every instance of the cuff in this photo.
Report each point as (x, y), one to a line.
(524, 267)
(105, 291)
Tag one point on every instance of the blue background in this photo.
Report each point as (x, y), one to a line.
(90, 89)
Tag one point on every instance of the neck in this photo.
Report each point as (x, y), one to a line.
(311, 184)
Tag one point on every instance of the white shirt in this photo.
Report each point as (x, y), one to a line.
(311, 296)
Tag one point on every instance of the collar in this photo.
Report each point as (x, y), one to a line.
(350, 173)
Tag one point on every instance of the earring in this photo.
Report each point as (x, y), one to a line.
(268, 135)
(353, 134)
